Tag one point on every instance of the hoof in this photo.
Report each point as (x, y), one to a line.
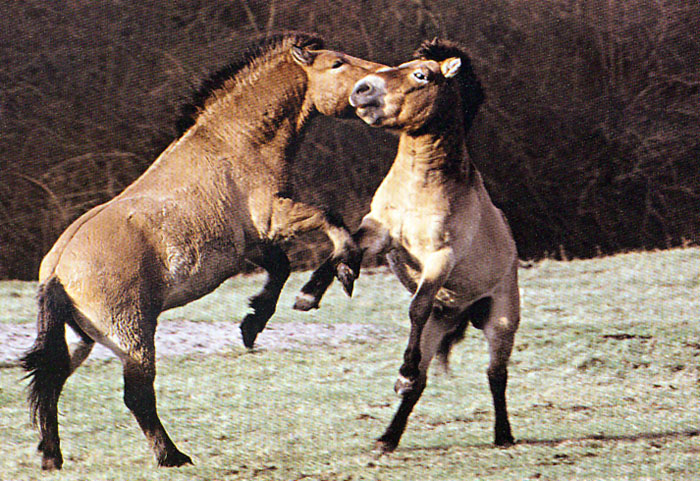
(51, 463)
(51, 458)
(504, 441)
(248, 333)
(403, 386)
(384, 446)
(174, 460)
(305, 302)
(502, 433)
(346, 277)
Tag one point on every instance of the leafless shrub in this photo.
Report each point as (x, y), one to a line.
(589, 138)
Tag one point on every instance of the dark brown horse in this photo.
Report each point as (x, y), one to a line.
(445, 240)
(215, 198)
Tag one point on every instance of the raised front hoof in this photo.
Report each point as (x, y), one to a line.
(305, 302)
(346, 277)
(249, 333)
(404, 386)
(174, 459)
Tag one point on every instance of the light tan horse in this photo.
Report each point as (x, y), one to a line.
(215, 198)
(445, 240)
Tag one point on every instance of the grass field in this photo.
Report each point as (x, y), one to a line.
(604, 384)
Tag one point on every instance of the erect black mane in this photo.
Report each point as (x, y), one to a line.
(470, 88)
(191, 110)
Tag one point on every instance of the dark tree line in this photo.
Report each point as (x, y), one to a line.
(589, 137)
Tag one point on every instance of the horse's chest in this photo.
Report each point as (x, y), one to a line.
(417, 228)
(423, 233)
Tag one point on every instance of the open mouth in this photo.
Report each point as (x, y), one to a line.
(370, 114)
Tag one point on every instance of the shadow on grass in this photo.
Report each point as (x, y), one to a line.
(689, 433)
(604, 437)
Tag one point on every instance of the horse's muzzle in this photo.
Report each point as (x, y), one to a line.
(368, 92)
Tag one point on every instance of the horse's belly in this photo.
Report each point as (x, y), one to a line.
(474, 277)
(192, 278)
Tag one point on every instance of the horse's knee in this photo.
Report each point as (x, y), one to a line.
(500, 335)
(498, 372)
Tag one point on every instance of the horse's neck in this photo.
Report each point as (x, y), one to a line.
(435, 153)
(252, 127)
(266, 109)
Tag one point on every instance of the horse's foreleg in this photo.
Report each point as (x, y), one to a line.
(398, 260)
(436, 269)
(500, 331)
(436, 328)
(392, 435)
(311, 293)
(371, 238)
(275, 262)
(290, 218)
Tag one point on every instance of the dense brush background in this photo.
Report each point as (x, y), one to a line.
(589, 138)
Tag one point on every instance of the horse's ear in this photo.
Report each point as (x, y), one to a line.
(303, 56)
(450, 67)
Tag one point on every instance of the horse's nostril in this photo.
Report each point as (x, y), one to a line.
(364, 88)
(365, 93)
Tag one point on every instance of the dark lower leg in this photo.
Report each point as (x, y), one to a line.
(498, 379)
(411, 356)
(276, 263)
(419, 312)
(47, 418)
(344, 266)
(50, 445)
(391, 437)
(312, 292)
(140, 398)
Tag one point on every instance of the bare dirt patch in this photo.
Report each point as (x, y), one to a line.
(181, 337)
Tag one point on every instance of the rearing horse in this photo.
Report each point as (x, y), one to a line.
(216, 197)
(445, 240)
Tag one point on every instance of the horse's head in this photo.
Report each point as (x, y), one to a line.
(331, 76)
(409, 96)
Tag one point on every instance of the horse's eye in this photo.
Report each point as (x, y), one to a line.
(338, 63)
(420, 76)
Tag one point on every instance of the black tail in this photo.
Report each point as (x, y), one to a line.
(48, 361)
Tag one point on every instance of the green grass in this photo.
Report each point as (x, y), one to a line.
(604, 384)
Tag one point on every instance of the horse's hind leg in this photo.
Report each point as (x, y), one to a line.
(80, 350)
(437, 268)
(276, 263)
(139, 395)
(439, 325)
(500, 331)
(140, 398)
(49, 363)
